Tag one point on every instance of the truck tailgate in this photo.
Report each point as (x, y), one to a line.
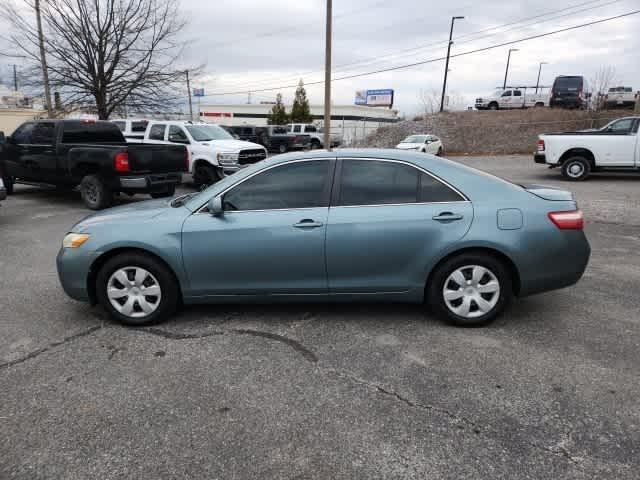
(145, 158)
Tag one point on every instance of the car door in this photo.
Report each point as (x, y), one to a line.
(387, 221)
(615, 146)
(16, 150)
(43, 160)
(432, 144)
(505, 99)
(270, 239)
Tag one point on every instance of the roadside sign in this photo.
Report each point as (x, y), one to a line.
(198, 92)
(375, 98)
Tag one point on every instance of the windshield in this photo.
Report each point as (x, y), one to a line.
(571, 84)
(204, 133)
(415, 139)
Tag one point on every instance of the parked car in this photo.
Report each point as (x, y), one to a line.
(511, 98)
(618, 97)
(613, 147)
(132, 129)
(570, 91)
(214, 153)
(316, 134)
(93, 155)
(385, 225)
(422, 143)
(276, 138)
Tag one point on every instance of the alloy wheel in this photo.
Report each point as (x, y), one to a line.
(134, 292)
(471, 291)
(575, 169)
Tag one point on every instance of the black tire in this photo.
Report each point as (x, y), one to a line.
(169, 192)
(282, 148)
(440, 152)
(96, 195)
(493, 106)
(315, 145)
(496, 268)
(8, 184)
(576, 169)
(169, 288)
(205, 174)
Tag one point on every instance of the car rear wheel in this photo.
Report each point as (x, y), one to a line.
(8, 184)
(315, 145)
(282, 148)
(576, 168)
(205, 175)
(169, 192)
(136, 289)
(96, 195)
(470, 289)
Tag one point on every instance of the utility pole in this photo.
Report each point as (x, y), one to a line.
(249, 98)
(539, 70)
(43, 61)
(506, 72)
(327, 79)
(189, 91)
(15, 79)
(446, 66)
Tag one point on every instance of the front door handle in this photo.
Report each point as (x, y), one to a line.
(307, 223)
(448, 217)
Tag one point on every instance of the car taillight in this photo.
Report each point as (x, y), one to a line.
(572, 220)
(122, 162)
(541, 146)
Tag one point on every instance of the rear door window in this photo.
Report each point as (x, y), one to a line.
(433, 190)
(43, 133)
(157, 132)
(373, 182)
(83, 131)
(139, 126)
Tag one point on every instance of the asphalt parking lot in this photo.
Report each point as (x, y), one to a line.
(550, 390)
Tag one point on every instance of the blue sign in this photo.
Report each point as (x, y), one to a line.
(198, 92)
(375, 98)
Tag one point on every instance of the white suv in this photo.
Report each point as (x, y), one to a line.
(213, 152)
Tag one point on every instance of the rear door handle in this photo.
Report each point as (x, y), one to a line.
(448, 217)
(307, 223)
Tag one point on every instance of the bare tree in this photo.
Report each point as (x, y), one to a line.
(600, 82)
(109, 54)
(430, 100)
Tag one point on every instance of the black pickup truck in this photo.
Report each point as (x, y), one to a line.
(274, 138)
(93, 155)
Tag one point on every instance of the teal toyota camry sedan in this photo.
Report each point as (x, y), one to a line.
(348, 225)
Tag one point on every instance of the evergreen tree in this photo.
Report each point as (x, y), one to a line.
(278, 115)
(300, 111)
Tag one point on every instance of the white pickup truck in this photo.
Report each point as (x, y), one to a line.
(613, 147)
(512, 98)
(213, 152)
(316, 134)
(623, 97)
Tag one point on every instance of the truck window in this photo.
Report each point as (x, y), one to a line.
(310, 129)
(121, 125)
(22, 135)
(43, 133)
(297, 128)
(507, 93)
(139, 126)
(568, 84)
(177, 134)
(621, 126)
(87, 131)
(517, 93)
(157, 131)
(279, 131)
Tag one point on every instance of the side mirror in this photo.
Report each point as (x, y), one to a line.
(215, 207)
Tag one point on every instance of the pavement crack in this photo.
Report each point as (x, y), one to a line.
(65, 340)
(477, 428)
(297, 346)
(178, 336)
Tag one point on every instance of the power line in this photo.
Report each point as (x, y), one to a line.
(433, 60)
(405, 52)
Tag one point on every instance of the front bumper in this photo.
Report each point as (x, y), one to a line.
(150, 183)
(73, 266)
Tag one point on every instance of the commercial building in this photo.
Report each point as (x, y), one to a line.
(353, 122)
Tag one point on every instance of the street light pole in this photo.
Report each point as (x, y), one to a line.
(506, 72)
(446, 66)
(327, 79)
(189, 91)
(539, 70)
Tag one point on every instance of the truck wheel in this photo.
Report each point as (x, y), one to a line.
(576, 168)
(493, 106)
(439, 154)
(95, 194)
(282, 148)
(169, 192)
(205, 175)
(8, 184)
(315, 145)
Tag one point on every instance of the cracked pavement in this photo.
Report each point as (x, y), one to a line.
(324, 391)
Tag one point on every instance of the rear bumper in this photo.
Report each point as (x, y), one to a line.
(150, 183)
(539, 158)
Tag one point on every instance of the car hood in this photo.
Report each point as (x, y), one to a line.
(408, 146)
(131, 213)
(233, 145)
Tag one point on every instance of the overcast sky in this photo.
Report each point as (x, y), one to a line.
(257, 44)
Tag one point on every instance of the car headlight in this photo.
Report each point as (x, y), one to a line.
(74, 240)
(228, 157)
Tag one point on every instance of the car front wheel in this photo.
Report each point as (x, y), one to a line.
(470, 289)
(136, 289)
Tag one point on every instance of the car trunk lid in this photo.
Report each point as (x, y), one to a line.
(549, 193)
